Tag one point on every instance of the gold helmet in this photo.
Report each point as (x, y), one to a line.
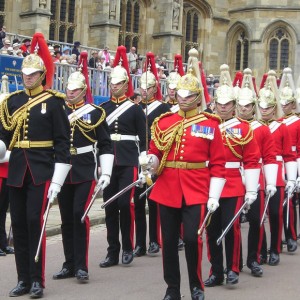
(147, 80)
(32, 63)
(287, 87)
(76, 81)
(225, 92)
(118, 74)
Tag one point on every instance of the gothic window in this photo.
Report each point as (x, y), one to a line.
(279, 50)
(129, 19)
(241, 51)
(2, 13)
(62, 22)
(191, 31)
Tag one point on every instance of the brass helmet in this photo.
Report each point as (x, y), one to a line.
(147, 80)
(76, 81)
(32, 63)
(172, 80)
(188, 85)
(287, 87)
(246, 94)
(118, 74)
(225, 92)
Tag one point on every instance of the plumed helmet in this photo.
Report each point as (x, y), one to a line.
(287, 87)
(149, 77)
(40, 59)
(120, 72)
(173, 79)
(76, 81)
(225, 92)
(246, 93)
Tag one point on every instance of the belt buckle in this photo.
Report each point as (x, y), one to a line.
(181, 164)
(24, 144)
(116, 137)
(73, 151)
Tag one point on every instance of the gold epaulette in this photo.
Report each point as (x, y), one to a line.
(57, 94)
(212, 116)
(100, 108)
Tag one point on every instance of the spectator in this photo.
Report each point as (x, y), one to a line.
(161, 74)
(75, 50)
(19, 53)
(5, 46)
(66, 53)
(132, 59)
(57, 55)
(10, 51)
(56, 48)
(136, 98)
(93, 61)
(16, 47)
(2, 35)
(25, 47)
(106, 54)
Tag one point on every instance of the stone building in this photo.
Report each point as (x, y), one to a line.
(259, 34)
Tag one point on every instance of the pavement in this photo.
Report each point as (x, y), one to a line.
(96, 216)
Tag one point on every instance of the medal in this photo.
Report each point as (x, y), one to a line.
(44, 106)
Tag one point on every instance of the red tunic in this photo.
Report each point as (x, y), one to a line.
(283, 148)
(266, 146)
(197, 140)
(248, 153)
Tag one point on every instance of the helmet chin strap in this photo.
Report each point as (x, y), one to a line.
(118, 91)
(248, 114)
(229, 110)
(270, 113)
(187, 105)
(78, 98)
(36, 83)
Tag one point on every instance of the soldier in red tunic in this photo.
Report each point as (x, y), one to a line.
(246, 98)
(241, 150)
(181, 145)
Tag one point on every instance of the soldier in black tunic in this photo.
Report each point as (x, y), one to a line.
(127, 126)
(89, 138)
(35, 128)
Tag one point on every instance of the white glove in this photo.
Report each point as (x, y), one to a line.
(212, 204)
(53, 191)
(60, 173)
(271, 190)
(103, 181)
(6, 157)
(250, 197)
(142, 178)
(290, 185)
(2, 149)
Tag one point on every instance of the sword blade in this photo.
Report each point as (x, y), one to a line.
(265, 209)
(146, 191)
(116, 196)
(204, 223)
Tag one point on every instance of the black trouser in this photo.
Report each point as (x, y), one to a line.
(276, 219)
(290, 231)
(256, 232)
(73, 200)
(219, 221)
(27, 206)
(120, 213)
(191, 218)
(4, 203)
(140, 219)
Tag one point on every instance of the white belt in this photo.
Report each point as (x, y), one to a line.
(279, 158)
(123, 137)
(85, 149)
(232, 165)
(293, 148)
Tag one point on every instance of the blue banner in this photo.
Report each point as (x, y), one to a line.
(11, 66)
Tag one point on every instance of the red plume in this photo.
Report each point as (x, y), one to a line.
(121, 59)
(178, 64)
(263, 81)
(39, 42)
(203, 80)
(150, 63)
(83, 64)
(238, 79)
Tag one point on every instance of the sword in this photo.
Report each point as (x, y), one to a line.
(288, 208)
(265, 209)
(97, 190)
(147, 190)
(10, 238)
(204, 222)
(219, 240)
(116, 196)
(36, 258)
(286, 198)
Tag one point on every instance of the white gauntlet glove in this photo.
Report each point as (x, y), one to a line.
(60, 173)
(6, 157)
(215, 191)
(149, 164)
(270, 172)
(251, 183)
(2, 149)
(291, 174)
(106, 164)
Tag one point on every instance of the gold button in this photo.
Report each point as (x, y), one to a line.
(183, 140)
(184, 130)
(184, 134)
(182, 146)
(180, 157)
(26, 131)
(25, 137)
(182, 151)
(71, 140)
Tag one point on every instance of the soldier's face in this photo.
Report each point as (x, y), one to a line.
(118, 89)
(30, 81)
(188, 103)
(267, 113)
(225, 111)
(74, 96)
(288, 108)
(172, 93)
(148, 93)
(245, 111)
